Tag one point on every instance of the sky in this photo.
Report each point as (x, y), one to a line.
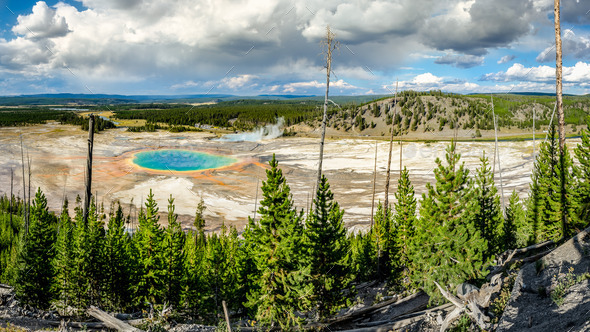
(254, 47)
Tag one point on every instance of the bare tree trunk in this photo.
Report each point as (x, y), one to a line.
(11, 186)
(387, 178)
(330, 45)
(29, 194)
(560, 115)
(534, 134)
(89, 167)
(374, 184)
(256, 198)
(497, 153)
(22, 156)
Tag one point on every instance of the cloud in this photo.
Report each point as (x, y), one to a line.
(428, 81)
(473, 26)
(42, 23)
(572, 46)
(506, 59)
(237, 82)
(460, 61)
(316, 86)
(579, 73)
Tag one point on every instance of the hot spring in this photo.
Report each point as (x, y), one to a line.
(180, 160)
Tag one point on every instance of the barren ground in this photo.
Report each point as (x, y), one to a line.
(58, 154)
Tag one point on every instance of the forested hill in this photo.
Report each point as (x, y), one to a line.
(415, 115)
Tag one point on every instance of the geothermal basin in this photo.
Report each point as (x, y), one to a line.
(124, 169)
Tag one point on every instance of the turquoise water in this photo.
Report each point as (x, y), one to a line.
(180, 160)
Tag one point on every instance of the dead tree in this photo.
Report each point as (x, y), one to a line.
(560, 115)
(328, 45)
(10, 204)
(387, 178)
(374, 185)
(88, 193)
(29, 194)
(22, 156)
(497, 153)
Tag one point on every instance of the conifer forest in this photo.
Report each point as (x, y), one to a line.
(287, 267)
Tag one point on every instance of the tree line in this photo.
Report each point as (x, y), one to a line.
(23, 117)
(287, 267)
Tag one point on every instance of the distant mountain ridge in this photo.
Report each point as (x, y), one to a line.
(78, 99)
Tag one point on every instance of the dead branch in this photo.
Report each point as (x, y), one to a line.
(111, 321)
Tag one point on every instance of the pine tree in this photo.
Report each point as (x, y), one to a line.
(363, 257)
(220, 263)
(118, 269)
(515, 233)
(148, 242)
(404, 223)
(279, 243)
(447, 247)
(195, 275)
(486, 209)
(194, 278)
(63, 263)
(383, 235)
(97, 261)
(582, 152)
(545, 206)
(327, 248)
(35, 274)
(174, 256)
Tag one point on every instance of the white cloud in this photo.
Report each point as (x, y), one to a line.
(237, 81)
(506, 59)
(44, 22)
(316, 86)
(580, 72)
(460, 61)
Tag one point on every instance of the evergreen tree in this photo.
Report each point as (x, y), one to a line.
(96, 259)
(148, 243)
(516, 232)
(545, 206)
(281, 287)
(582, 152)
(63, 263)
(327, 248)
(199, 224)
(194, 278)
(404, 223)
(174, 256)
(486, 209)
(383, 235)
(118, 269)
(221, 279)
(195, 275)
(363, 257)
(35, 274)
(447, 247)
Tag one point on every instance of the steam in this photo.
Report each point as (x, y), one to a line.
(269, 131)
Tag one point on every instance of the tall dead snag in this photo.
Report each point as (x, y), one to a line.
(560, 115)
(89, 166)
(328, 46)
(374, 185)
(388, 176)
(11, 184)
(22, 156)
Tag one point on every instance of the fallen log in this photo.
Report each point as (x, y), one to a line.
(111, 321)
(511, 260)
(417, 301)
(403, 321)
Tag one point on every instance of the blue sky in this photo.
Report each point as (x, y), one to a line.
(252, 47)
